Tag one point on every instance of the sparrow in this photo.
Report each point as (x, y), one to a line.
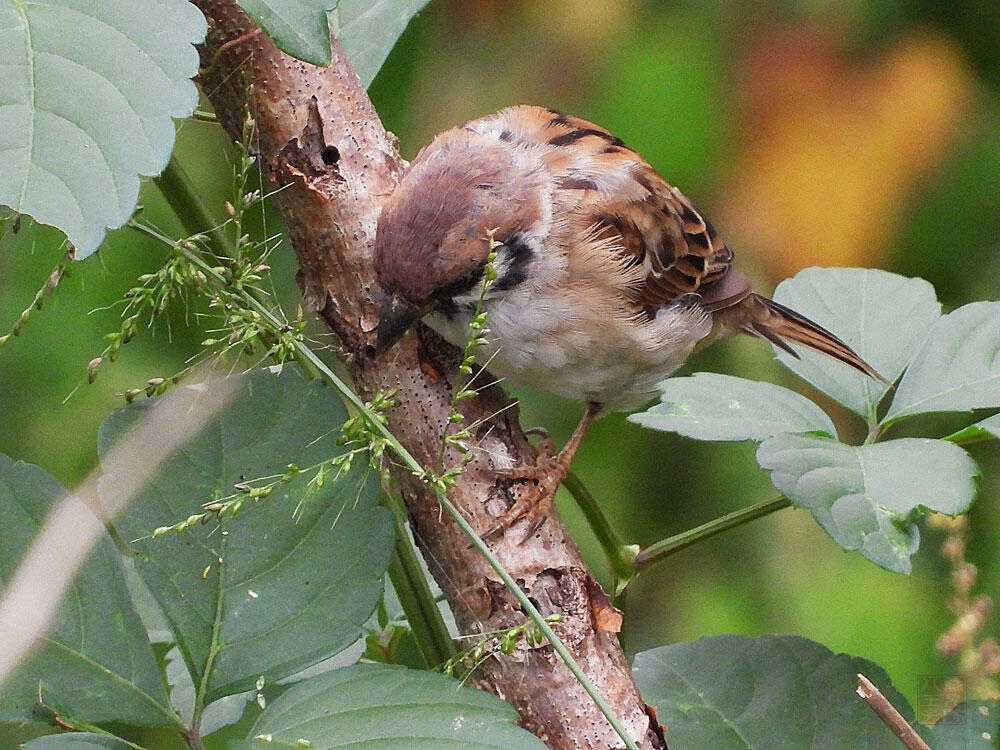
(607, 277)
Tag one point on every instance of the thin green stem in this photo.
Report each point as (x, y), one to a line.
(411, 463)
(410, 583)
(874, 433)
(525, 603)
(658, 551)
(182, 195)
(194, 731)
(622, 556)
(51, 281)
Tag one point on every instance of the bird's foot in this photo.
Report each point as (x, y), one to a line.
(542, 478)
(539, 482)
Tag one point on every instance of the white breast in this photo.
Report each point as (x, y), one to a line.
(564, 342)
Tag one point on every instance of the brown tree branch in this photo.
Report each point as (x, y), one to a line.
(888, 714)
(321, 140)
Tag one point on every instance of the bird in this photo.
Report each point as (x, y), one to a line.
(607, 277)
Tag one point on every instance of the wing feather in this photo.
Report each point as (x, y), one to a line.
(607, 192)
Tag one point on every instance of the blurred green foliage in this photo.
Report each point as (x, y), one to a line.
(682, 83)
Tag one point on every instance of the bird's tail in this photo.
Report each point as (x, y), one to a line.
(766, 319)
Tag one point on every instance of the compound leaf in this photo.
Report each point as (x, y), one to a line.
(375, 705)
(368, 30)
(96, 662)
(867, 497)
(881, 315)
(958, 366)
(298, 27)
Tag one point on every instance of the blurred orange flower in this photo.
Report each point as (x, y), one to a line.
(835, 146)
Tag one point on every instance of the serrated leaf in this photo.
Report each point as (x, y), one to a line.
(375, 705)
(287, 581)
(86, 103)
(96, 662)
(779, 692)
(881, 315)
(973, 725)
(708, 406)
(298, 27)
(76, 741)
(866, 497)
(958, 366)
(368, 30)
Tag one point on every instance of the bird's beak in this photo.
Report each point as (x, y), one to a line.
(395, 318)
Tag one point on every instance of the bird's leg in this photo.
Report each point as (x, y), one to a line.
(547, 473)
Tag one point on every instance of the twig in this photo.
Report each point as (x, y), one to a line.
(671, 545)
(622, 556)
(888, 713)
(422, 613)
(330, 210)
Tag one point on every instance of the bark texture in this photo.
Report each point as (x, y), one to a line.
(321, 140)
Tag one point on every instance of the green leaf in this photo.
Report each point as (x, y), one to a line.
(974, 725)
(987, 428)
(780, 692)
(375, 705)
(96, 662)
(368, 30)
(85, 105)
(290, 579)
(76, 741)
(881, 315)
(990, 425)
(298, 27)
(867, 497)
(958, 366)
(707, 406)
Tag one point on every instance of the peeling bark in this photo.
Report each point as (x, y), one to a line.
(321, 141)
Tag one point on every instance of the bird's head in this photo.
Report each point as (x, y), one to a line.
(434, 232)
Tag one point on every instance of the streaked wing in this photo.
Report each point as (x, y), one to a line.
(608, 192)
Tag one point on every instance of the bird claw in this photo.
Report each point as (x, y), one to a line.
(545, 453)
(535, 502)
(540, 432)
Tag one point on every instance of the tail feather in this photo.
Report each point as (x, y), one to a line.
(764, 318)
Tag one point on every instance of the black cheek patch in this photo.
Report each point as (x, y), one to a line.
(520, 253)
